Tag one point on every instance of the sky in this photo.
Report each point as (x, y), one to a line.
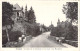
(45, 10)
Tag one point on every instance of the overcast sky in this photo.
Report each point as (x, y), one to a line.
(45, 10)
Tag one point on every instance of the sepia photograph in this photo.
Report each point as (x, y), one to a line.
(39, 23)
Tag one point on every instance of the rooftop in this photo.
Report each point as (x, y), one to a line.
(16, 7)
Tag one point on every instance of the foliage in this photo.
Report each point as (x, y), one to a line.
(44, 27)
(36, 31)
(26, 14)
(14, 35)
(54, 31)
(71, 10)
(31, 16)
(50, 27)
(70, 32)
(31, 29)
(30, 26)
(7, 12)
(58, 31)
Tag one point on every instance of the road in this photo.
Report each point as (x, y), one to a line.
(42, 41)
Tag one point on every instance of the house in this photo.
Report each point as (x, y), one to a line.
(18, 13)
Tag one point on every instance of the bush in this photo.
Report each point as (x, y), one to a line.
(72, 33)
(36, 31)
(58, 32)
(18, 44)
(31, 29)
(13, 36)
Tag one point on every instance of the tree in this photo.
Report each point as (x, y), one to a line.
(71, 10)
(31, 16)
(26, 13)
(7, 12)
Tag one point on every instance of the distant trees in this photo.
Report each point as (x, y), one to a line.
(54, 31)
(44, 27)
(51, 27)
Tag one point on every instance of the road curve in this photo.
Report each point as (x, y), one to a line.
(42, 41)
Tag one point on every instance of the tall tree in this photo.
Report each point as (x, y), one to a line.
(7, 12)
(31, 16)
(71, 10)
(26, 13)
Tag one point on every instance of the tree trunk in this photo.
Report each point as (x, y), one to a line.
(7, 33)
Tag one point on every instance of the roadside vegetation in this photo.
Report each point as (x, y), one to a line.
(25, 26)
(67, 29)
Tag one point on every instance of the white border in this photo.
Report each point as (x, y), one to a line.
(41, 49)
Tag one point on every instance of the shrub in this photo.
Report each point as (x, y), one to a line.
(31, 29)
(57, 31)
(13, 36)
(72, 33)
